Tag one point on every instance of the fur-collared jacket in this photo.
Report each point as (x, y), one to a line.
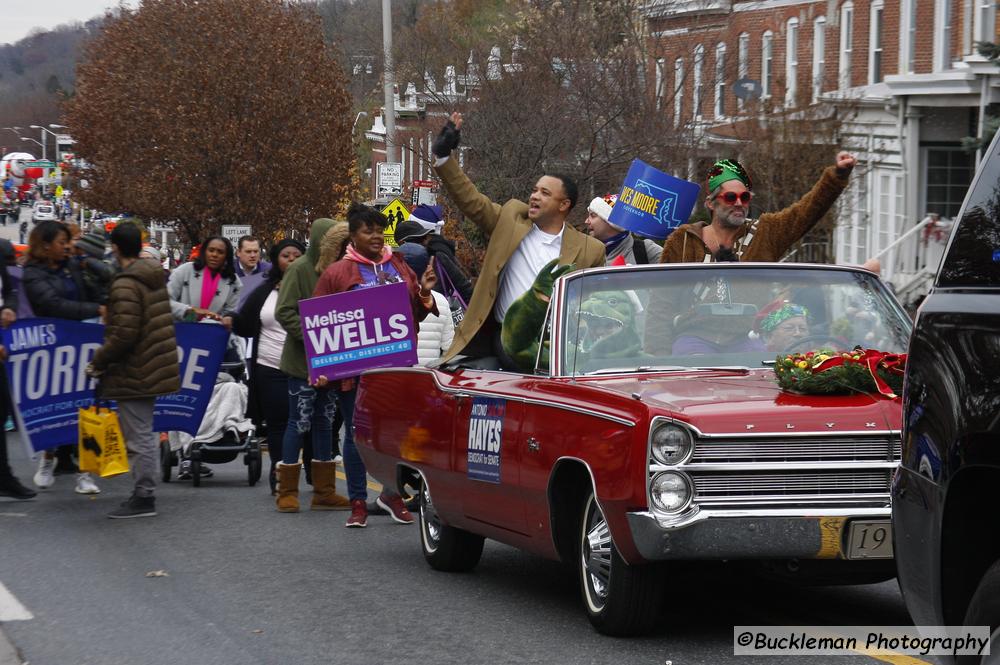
(768, 237)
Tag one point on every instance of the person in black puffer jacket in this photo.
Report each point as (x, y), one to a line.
(55, 287)
(10, 486)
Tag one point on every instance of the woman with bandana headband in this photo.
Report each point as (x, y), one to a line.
(733, 234)
(782, 324)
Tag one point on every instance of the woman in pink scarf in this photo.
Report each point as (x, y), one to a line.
(206, 289)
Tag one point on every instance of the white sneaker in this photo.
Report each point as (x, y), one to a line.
(85, 485)
(44, 477)
(338, 459)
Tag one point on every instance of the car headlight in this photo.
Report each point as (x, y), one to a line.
(670, 444)
(670, 491)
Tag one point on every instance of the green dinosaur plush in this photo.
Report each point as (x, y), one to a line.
(607, 326)
(522, 324)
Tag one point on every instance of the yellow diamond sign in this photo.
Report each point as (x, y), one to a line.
(395, 212)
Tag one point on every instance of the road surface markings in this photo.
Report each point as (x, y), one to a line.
(11, 608)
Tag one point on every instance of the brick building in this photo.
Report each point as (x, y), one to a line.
(908, 68)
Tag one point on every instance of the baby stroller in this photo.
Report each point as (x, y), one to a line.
(224, 434)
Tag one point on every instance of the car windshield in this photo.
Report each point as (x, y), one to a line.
(722, 316)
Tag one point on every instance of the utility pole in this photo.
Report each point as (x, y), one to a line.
(391, 149)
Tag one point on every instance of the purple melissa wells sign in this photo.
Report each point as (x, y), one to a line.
(347, 333)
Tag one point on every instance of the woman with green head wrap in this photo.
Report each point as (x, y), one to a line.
(782, 324)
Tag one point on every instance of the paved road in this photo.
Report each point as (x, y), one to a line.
(10, 231)
(247, 585)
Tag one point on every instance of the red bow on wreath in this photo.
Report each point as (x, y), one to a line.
(894, 363)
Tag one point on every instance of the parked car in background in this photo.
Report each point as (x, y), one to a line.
(945, 501)
(43, 211)
(652, 430)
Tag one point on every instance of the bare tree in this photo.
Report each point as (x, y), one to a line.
(551, 87)
(211, 113)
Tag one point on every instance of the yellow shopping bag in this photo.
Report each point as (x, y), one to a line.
(102, 449)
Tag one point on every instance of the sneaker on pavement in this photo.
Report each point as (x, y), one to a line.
(44, 477)
(359, 514)
(338, 459)
(136, 506)
(394, 504)
(86, 485)
(184, 471)
(12, 488)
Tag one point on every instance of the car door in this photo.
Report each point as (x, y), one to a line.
(486, 450)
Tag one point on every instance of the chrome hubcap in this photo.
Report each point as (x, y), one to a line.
(428, 517)
(597, 553)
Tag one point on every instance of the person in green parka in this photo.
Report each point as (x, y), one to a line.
(309, 409)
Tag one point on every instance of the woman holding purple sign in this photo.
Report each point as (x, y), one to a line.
(369, 263)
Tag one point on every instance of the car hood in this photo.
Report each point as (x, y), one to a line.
(741, 402)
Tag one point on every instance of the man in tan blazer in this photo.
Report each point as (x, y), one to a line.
(523, 237)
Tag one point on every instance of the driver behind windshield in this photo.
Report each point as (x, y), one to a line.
(782, 324)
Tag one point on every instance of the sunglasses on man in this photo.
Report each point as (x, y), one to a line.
(729, 198)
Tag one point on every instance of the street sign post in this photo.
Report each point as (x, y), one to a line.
(389, 179)
(395, 212)
(424, 192)
(233, 232)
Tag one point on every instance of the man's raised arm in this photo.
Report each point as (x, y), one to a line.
(788, 226)
(477, 207)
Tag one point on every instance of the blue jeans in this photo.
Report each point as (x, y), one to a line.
(357, 475)
(308, 410)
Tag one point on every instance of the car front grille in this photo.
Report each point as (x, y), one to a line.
(798, 449)
(792, 488)
(793, 472)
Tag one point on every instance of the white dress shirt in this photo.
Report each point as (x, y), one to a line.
(537, 249)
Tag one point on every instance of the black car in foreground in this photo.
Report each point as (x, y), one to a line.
(946, 495)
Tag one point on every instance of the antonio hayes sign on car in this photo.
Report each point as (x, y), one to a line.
(347, 333)
(485, 438)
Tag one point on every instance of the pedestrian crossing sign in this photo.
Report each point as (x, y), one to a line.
(395, 212)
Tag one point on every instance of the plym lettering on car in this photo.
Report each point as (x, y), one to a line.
(485, 438)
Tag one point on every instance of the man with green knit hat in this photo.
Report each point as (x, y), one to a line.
(310, 409)
(732, 236)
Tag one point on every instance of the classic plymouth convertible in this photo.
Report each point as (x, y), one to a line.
(652, 430)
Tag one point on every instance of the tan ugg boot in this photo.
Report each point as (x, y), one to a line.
(288, 487)
(325, 495)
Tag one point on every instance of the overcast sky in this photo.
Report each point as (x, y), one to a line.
(21, 16)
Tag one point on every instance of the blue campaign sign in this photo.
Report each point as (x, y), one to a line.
(652, 203)
(485, 438)
(200, 347)
(46, 364)
(46, 359)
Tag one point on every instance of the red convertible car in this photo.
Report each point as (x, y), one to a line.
(652, 430)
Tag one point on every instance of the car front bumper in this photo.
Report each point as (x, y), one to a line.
(779, 534)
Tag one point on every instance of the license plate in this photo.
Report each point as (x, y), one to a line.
(869, 540)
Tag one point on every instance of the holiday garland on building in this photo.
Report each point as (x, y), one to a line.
(829, 372)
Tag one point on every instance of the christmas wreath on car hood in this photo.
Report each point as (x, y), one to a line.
(829, 372)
